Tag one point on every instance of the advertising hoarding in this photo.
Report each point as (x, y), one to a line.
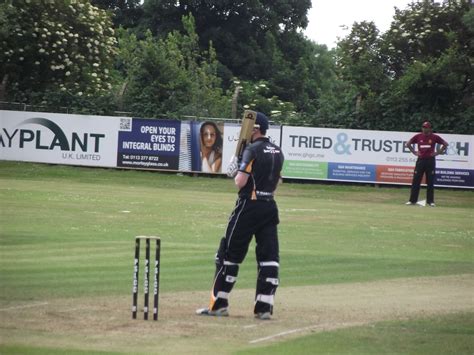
(370, 156)
(58, 138)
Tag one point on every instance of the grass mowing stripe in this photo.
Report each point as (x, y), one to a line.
(346, 229)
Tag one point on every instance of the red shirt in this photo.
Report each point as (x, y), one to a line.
(426, 143)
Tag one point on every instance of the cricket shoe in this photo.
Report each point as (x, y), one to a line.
(263, 316)
(409, 203)
(221, 312)
(432, 204)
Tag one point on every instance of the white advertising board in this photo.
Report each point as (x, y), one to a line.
(59, 138)
(370, 156)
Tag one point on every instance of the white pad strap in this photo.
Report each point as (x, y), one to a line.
(230, 279)
(269, 263)
(223, 295)
(272, 281)
(229, 263)
(266, 299)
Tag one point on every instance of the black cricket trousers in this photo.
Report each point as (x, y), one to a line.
(250, 218)
(425, 166)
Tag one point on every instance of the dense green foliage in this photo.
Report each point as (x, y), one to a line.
(420, 69)
(174, 58)
(56, 53)
(171, 76)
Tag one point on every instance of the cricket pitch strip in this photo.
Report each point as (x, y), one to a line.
(104, 323)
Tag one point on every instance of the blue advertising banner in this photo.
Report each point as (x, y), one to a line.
(352, 172)
(454, 177)
(151, 144)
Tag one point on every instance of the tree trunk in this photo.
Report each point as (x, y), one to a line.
(120, 95)
(358, 103)
(235, 98)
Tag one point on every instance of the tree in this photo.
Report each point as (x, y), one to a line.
(238, 29)
(55, 51)
(423, 31)
(257, 96)
(172, 76)
(420, 69)
(125, 13)
(361, 66)
(429, 51)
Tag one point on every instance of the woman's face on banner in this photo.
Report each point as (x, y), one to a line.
(209, 136)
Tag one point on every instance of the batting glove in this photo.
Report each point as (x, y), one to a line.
(233, 167)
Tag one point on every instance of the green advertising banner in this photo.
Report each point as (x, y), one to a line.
(305, 169)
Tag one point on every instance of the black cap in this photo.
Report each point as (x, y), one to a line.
(262, 121)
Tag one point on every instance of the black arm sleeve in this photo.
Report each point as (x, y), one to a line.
(248, 157)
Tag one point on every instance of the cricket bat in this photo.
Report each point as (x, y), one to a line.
(245, 132)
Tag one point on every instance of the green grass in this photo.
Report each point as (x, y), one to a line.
(64, 232)
(64, 226)
(452, 334)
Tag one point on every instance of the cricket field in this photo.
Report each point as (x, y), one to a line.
(361, 273)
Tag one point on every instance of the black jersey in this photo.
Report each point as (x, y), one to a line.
(263, 161)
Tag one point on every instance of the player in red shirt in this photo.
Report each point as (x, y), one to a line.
(426, 163)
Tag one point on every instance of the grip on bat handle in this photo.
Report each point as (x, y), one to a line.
(240, 153)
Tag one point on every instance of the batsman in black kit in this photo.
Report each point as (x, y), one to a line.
(257, 176)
